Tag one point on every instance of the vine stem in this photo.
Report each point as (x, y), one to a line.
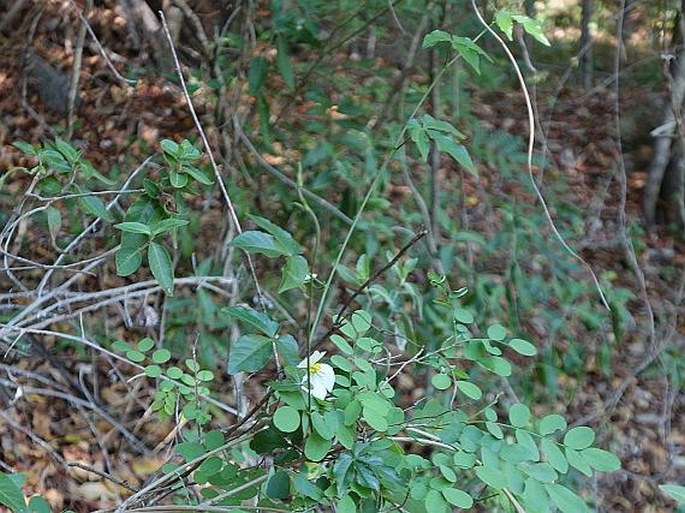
(531, 145)
(233, 216)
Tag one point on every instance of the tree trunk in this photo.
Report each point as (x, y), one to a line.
(586, 45)
(667, 169)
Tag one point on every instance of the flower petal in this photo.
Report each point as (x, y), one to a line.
(315, 357)
(326, 376)
(322, 381)
(319, 390)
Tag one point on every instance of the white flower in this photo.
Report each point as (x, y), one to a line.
(319, 375)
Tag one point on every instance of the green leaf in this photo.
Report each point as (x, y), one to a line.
(375, 418)
(146, 344)
(249, 353)
(282, 237)
(133, 227)
(457, 498)
(565, 499)
(554, 455)
(258, 242)
(128, 260)
(11, 495)
(535, 497)
(346, 505)
(54, 218)
(294, 273)
(316, 447)
(257, 74)
(94, 206)
(505, 23)
(532, 27)
(435, 37)
(601, 460)
(469, 51)
(469, 390)
(278, 485)
(120, 346)
(178, 180)
(283, 63)
(496, 364)
(578, 462)
(675, 491)
(543, 472)
(213, 440)
(174, 372)
(491, 476)
(135, 356)
(55, 160)
(39, 505)
(287, 419)
(463, 316)
(288, 349)
(144, 211)
(208, 468)
(161, 356)
(161, 266)
(552, 423)
(579, 437)
(166, 225)
(190, 450)
(494, 430)
(151, 188)
(516, 453)
(342, 344)
(523, 347)
(198, 175)
(435, 502)
(419, 136)
(205, 375)
(455, 150)
(464, 460)
(361, 321)
(448, 473)
(497, 332)
(524, 438)
(49, 185)
(25, 147)
(257, 320)
(153, 371)
(169, 147)
(441, 381)
(519, 415)
(431, 124)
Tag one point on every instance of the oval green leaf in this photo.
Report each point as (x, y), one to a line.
(161, 356)
(601, 460)
(519, 415)
(441, 381)
(523, 347)
(457, 498)
(161, 266)
(580, 437)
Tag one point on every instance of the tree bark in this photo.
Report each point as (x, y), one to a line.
(666, 177)
(586, 44)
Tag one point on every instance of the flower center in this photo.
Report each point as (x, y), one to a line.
(314, 368)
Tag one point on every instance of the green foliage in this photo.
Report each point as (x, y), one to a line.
(677, 492)
(443, 134)
(153, 216)
(505, 21)
(336, 430)
(13, 498)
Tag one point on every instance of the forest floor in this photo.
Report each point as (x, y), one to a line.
(641, 414)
